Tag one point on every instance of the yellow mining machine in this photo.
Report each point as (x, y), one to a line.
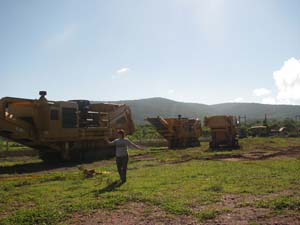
(179, 132)
(63, 130)
(224, 131)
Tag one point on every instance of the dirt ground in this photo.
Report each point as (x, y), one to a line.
(248, 215)
(144, 214)
(132, 213)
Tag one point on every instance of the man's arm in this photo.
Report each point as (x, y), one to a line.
(133, 145)
(109, 142)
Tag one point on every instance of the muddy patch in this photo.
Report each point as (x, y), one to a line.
(257, 155)
(144, 157)
(285, 152)
(239, 209)
(132, 213)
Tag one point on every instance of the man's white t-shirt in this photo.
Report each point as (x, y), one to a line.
(122, 146)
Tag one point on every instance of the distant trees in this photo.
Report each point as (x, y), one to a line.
(143, 132)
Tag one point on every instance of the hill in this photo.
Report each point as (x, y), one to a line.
(152, 107)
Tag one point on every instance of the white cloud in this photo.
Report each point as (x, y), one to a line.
(269, 100)
(259, 92)
(121, 72)
(124, 70)
(239, 99)
(287, 80)
(62, 37)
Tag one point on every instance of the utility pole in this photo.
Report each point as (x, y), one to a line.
(265, 123)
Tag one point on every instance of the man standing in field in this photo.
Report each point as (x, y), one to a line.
(122, 144)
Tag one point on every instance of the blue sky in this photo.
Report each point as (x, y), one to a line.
(205, 51)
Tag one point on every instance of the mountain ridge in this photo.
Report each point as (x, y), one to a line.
(152, 107)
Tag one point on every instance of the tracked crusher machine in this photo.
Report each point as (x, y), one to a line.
(64, 130)
(179, 132)
(224, 131)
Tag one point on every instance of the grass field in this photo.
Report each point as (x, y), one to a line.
(257, 184)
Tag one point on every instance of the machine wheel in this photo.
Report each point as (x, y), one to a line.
(94, 154)
(76, 155)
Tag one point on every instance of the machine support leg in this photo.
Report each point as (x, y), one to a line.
(66, 152)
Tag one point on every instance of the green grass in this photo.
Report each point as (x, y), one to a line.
(208, 214)
(281, 203)
(275, 142)
(35, 216)
(12, 146)
(13, 161)
(176, 181)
